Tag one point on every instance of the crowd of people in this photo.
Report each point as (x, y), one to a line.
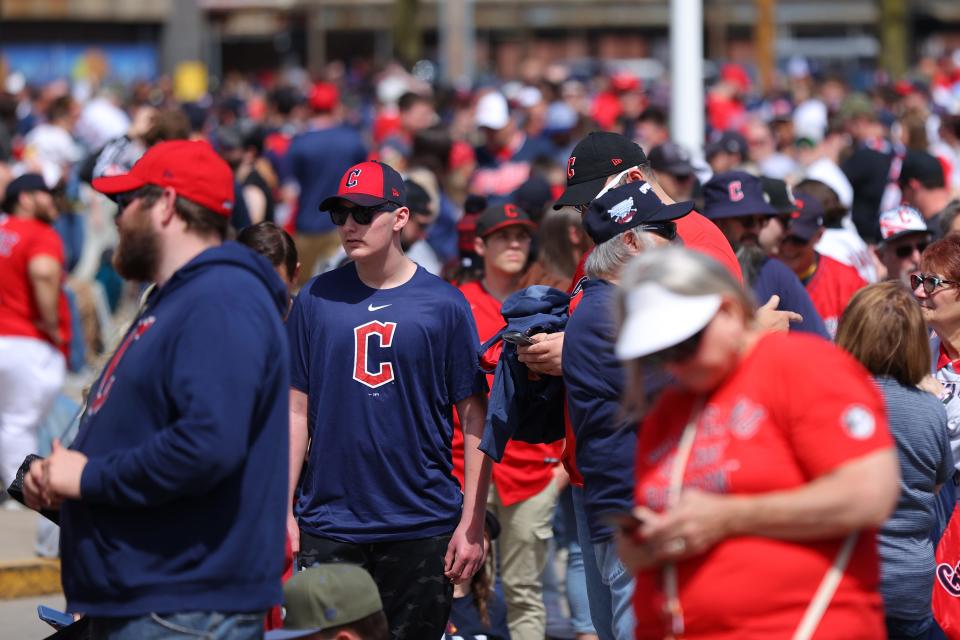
(510, 363)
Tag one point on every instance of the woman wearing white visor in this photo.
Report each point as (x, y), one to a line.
(762, 471)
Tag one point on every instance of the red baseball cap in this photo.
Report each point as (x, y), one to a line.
(324, 96)
(191, 167)
(369, 184)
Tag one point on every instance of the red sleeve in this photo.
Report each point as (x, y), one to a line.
(700, 234)
(832, 410)
(44, 242)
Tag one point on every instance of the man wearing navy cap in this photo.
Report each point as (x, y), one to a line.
(830, 283)
(674, 170)
(381, 351)
(735, 202)
(623, 223)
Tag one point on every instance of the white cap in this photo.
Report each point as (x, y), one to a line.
(900, 222)
(492, 111)
(658, 318)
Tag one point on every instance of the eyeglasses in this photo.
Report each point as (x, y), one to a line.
(906, 250)
(361, 215)
(930, 283)
(666, 230)
(149, 192)
(677, 353)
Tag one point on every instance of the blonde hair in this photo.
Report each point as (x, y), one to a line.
(883, 328)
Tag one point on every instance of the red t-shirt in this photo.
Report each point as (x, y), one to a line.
(525, 469)
(775, 424)
(700, 234)
(830, 289)
(22, 240)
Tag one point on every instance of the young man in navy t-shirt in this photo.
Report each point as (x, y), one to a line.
(381, 351)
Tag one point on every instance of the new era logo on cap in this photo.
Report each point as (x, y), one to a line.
(599, 155)
(369, 184)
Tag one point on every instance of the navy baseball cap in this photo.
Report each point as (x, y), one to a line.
(671, 158)
(734, 194)
(369, 184)
(595, 158)
(807, 219)
(626, 207)
(729, 141)
(26, 183)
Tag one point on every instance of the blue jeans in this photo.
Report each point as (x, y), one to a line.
(901, 629)
(208, 625)
(565, 529)
(620, 585)
(598, 593)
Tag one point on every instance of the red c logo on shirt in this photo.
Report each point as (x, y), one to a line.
(352, 178)
(108, 378)
(384, 374)
(736, 191)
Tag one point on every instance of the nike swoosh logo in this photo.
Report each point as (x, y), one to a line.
(370, 307)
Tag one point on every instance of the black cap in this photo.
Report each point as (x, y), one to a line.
(728, 141)
(778, 195)
(924, 168)
(533, 195)
(807, 218)
(502, 216)
(626, 207)
(600, 155)
(671, 158)
(418, 200)
(24, 184)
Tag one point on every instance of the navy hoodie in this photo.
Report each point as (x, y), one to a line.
(183, 503)
(594, 379)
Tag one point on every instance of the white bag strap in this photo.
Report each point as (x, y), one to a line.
(828, 587)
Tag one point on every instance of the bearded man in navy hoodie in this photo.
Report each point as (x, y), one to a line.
(172, 498)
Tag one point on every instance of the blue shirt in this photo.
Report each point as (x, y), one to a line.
(382, 369)
(186, 432)
(317, 160)
(777, 278)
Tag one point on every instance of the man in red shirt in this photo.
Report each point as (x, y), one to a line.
(34, 318)
(523, 493)
(830, 283)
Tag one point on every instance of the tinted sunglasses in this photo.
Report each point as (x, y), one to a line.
(930, 283)
(666, 230)
(677, 353)
(361, 215)
(906, 250)
(124, 200)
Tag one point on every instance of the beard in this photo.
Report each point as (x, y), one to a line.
(138, 254)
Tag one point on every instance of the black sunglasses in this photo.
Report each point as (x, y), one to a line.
(361, 215)
(677, 353)
(124, 200)
(930, 283)
(666, 230)
(906, 250)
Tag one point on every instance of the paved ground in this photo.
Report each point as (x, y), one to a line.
(19, 621)
(17, 533)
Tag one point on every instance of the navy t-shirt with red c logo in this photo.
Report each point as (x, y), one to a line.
(382, 369)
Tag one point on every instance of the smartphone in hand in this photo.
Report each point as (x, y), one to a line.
(515, 337)
(54, 618)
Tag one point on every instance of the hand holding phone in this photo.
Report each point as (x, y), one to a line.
(56, 619)
(516, 337)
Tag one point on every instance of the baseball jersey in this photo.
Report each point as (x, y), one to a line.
(22, 240)
(775, 424)
(525, 469)
(382, 369)
(830, 288)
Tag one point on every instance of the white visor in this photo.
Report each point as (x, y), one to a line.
(658, 318)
